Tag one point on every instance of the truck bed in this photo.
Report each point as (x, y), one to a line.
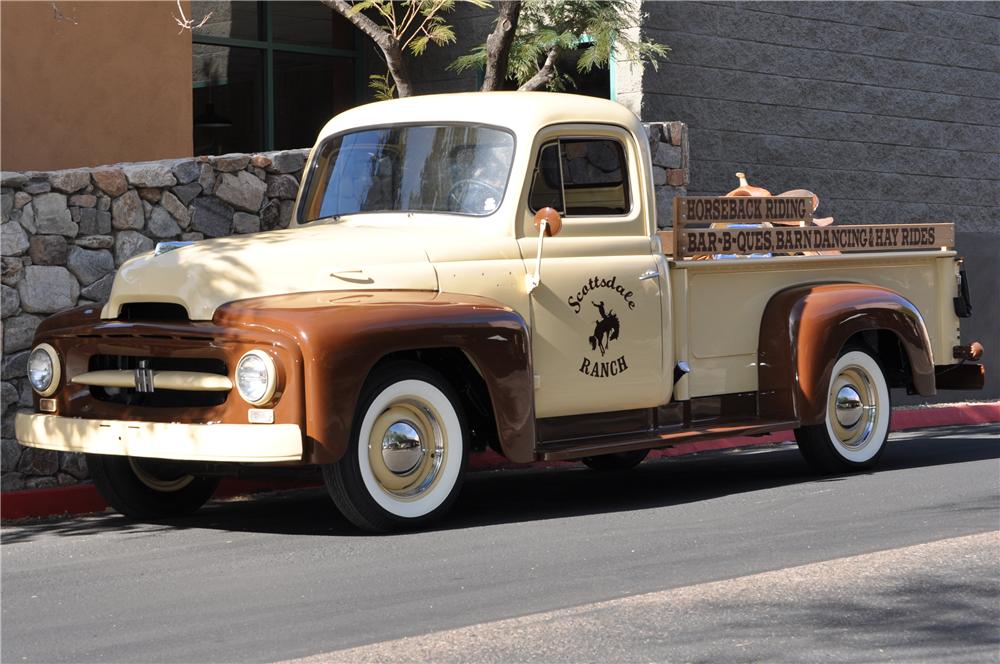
(718, 305)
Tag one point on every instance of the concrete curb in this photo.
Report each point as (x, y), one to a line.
(84, 499)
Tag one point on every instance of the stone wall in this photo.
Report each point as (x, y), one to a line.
(889, 111)
(65, 233)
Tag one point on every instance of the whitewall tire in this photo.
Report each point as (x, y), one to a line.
(407, 455)
(856, 421)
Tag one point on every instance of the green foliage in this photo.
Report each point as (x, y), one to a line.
(382, 86)
(413, 24)
(603, 25)
(475, 59)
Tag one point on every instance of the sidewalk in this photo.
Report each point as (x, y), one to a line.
(84, 499)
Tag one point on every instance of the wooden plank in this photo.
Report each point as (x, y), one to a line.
(667, 241)
(845, 239)
(741, 210)
(678, 229)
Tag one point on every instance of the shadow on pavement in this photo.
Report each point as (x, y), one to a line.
(926, 617)
(506, 496)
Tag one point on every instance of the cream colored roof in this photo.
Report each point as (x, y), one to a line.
(523, 112)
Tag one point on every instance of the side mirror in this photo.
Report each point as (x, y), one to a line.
(547, 223)
(549, 219)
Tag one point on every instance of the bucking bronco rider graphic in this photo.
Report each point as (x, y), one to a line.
(605, 330)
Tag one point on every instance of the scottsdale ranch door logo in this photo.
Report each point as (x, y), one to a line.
(596, 300)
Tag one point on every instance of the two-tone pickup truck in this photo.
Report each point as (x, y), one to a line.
(484, 270)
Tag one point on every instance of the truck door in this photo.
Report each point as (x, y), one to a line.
(596, 315)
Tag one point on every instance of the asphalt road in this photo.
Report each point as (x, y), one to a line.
(735, 557)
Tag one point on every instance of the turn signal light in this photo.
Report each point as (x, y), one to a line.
(973, 351)
(260, 416)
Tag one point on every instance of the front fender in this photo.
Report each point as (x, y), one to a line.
(342, 335)
(805, 327)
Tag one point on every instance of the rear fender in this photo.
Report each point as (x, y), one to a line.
(803, 331)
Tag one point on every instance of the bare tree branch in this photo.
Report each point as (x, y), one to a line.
(412, 11)
(185, 22)
(545, 73)
(382, 38)
(387, 43)
(498, 44)
(422, 30)
(388, 10)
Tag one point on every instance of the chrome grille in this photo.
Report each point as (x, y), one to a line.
(143, 394)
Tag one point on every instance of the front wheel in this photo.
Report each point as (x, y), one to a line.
(855, 427)
(146, 489)
(407, 455)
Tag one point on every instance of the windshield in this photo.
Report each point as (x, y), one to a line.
(459, 169)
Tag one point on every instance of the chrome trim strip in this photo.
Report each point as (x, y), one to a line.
(184, 381)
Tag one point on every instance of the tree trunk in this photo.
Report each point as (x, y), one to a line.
(545, 73)
(399, 69)
(498, 45)
(395, 59)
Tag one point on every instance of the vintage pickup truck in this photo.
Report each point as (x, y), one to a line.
(484, 270)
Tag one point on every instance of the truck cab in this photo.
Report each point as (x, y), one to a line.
(598, 313)
(479, 271)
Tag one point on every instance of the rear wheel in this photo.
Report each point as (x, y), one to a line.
(408, 452)
(617, 461)
(148, 488)
(855, 426)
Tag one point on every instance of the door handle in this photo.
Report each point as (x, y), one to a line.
(352, 275)
(649, 274)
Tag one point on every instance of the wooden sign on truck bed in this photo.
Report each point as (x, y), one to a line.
(775, 225)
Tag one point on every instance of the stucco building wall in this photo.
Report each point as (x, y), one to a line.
(87, 83)
(890, 112)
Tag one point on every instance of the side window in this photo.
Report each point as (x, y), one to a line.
(581, 177)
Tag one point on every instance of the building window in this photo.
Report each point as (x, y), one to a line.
(268, 75)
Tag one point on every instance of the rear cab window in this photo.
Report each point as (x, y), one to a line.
(581, 177)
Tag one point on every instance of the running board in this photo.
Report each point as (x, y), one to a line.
(663, 437)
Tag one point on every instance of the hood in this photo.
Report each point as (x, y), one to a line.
(204, 275)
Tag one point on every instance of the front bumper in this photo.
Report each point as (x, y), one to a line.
(245, 443)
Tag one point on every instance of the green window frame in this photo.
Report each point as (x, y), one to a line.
(269, 46)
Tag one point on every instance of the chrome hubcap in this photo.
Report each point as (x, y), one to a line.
(849, 407)
(407, 447)
(853, 407)
(402, 450)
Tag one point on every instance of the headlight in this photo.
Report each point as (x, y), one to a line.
(256, 377)
(43, 369)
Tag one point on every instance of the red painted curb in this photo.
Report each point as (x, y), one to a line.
(83, 498)
(74, 499)
(941, 415)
